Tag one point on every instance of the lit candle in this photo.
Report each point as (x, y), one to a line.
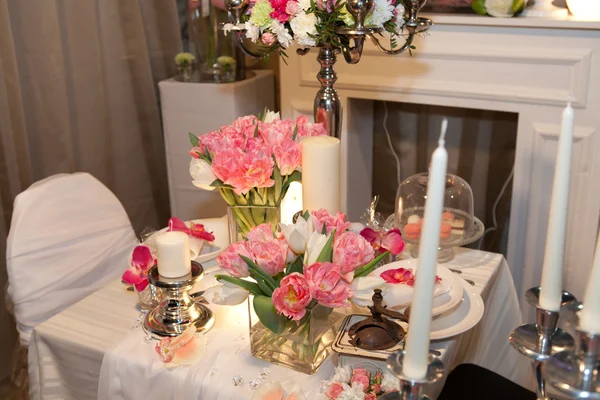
(551, 288)
(589, 317)
(173, 254)
(419, 325)
(321, 173)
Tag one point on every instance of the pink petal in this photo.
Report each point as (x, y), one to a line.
(141, 286)
(177, 225)
(185, 337)
(142, 258)
(132, 276)
(198, 231)
(371, 235)
(393, 242)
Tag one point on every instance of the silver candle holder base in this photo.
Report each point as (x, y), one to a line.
(412, 389)
(178, 309)
(575, 373)
(541, 340)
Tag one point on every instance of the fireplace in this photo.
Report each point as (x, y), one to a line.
(521, 70)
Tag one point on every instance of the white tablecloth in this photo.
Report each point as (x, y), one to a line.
(67, 352)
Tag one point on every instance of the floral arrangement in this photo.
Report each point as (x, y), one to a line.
(313, 261)
(281, 23)
(184, 59)
(360, 384)
(251, 162)
(498, 8)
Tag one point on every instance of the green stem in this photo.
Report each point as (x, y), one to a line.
(367, 269)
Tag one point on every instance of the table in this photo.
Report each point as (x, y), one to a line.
(67, 351)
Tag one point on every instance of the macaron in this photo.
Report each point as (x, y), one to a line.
(447, 216)
(445, 230)
(412, 231)
(413, 219)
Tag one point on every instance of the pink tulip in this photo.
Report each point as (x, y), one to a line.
(245, 122)
(390, 240)
(270, 256)
(306, 128)
(196, 151)
(351, 251)
(262, 233)
(231, 261)
(334, 390)
(326, 284)
(337, 222)
(276, 132)
(288, 156)
(137, 274)
(292, 296)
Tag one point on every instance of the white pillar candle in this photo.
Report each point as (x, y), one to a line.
(551, 288)
(419, 325)
(589, 317)
(321, 173)
(173, 254)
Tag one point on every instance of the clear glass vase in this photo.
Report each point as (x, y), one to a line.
(304, 345)
(219, 59)
(150, 297)
(243, 218)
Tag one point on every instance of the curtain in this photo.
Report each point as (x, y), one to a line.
(78, 93)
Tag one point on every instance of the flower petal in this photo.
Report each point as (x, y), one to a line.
(177, 225)
(393, 241)
(142, 285)
(132, 276)
(269, 391)
(142, 258)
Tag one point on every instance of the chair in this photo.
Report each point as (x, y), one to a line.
(69, 236)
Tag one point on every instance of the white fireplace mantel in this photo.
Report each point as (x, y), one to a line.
(520, 65)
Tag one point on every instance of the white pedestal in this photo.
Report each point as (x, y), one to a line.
(201, 108)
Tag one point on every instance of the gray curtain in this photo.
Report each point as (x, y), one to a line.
(78, 93)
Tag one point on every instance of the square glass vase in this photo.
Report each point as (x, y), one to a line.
(304, 345)
(243, 218)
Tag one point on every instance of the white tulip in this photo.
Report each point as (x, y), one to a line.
(362, 289)
(202, 175)
(271, 116)
(499, 8)
(297, 234)
(315, 245)
(229, 294)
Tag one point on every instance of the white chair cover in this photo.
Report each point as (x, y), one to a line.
(69, 236)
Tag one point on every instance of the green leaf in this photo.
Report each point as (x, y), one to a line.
(479, 7)
(193, 139)
(219, 184)
(327, 252)
(306, 215)
(367, 269)
(267, 314)
(256, 131)
(249, 286)
(254, 268)
(266, 289)
(296, 266)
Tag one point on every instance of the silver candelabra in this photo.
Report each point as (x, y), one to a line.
(327, 106)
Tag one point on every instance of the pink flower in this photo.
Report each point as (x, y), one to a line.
(245, 122)
(351, 251)
(141, 261)
(292, 296)
(306, 128)
(376, 388)
(292, 7)
(194, 230)
(231, 261)
(270, 256)
(334, 390)
(254, 144)
(337, 222)
(390, 240)
(268, 38)
(196, 151)
(361, 379)
(276, 132)
(279, 7)
(399, 275)
(326, 285)
(243, 171)
(370, 396)
(288, 156)
(262, 233)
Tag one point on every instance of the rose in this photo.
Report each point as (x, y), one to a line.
(326, 285)
(297, 234)
(229, 294)
(292, 7)
(262, 232)
(362, 289)
(370, 396)
(331, 222)
(268, 38)
(334, 390)
(292, 296)
(314, 246)
(270, 256)
(231, 261)
(351, 251)
(288, 156)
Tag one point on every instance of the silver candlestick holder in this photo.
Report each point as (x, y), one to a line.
(575, 373)
(541, 340)
(412, 389)
(178, 309)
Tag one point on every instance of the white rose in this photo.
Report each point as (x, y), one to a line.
(297, 234)
(499, 8)
(315, 245)
(271, 116)
(252, 31)
(362, 289)
(202, 175)
(229, 294)
(302, 25)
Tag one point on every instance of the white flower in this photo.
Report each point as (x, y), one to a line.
(297, 234)
(227, 28)
(304, 4)
(499, 8)
(400, 10)
(252, 31)
(229, 294)
(362, 289)
(315, 245)
(342, 374)
(283, 36)
(354, 392)
(389, 382)
(302, 25)
(202, 175)
(382, 12)
(271, 116)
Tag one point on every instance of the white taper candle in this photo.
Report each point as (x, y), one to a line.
(419, 325)
(173, 254)
(321, 173)
(589, 317)
(551, 287)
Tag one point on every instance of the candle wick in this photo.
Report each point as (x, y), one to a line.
(442, 140)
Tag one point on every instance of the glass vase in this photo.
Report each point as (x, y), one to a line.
(149, 298)
(243, 218)
(304, 345)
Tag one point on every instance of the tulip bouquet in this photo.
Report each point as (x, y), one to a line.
(252, 163)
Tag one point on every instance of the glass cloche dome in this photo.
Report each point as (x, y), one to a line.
(459, 224)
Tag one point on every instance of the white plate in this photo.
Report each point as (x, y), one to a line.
(461, 318)
(442, 303)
